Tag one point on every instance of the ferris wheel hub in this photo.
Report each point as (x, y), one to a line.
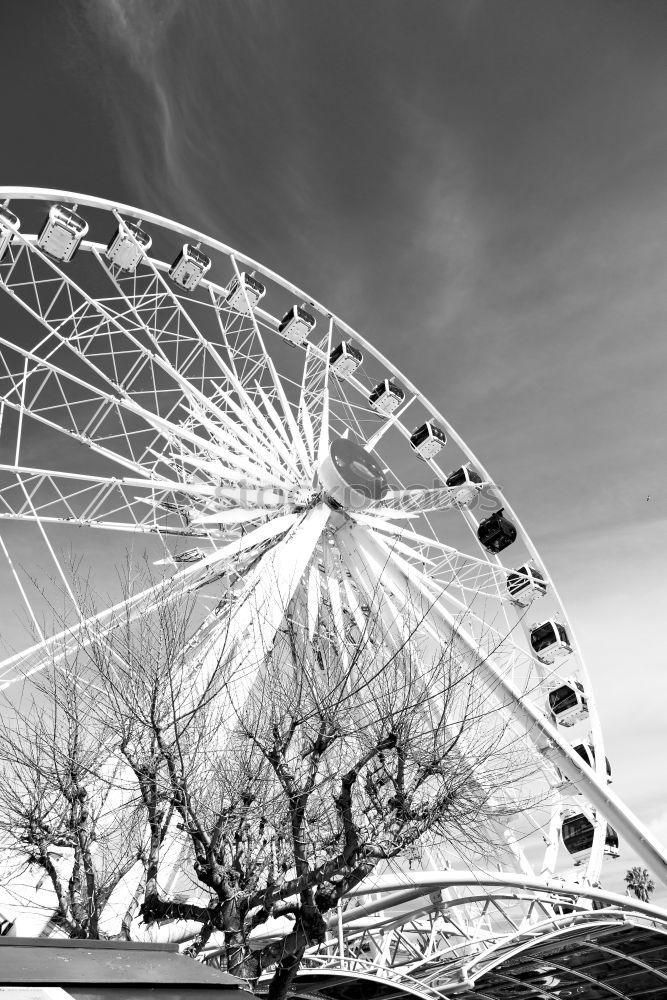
(350, 476)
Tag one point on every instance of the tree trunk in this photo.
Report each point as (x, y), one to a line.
(239, 960)
(284, 975)
(132, 907)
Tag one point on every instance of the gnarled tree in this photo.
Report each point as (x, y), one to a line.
(346, 752)
(340, 751)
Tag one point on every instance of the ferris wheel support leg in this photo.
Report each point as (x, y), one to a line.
(55, 647)
(252, 628)
(546, 736)
(255, 624)
(367, 575)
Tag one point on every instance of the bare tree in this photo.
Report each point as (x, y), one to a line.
(346, 752)
(62, 807)
(84, 789)
(346, 749)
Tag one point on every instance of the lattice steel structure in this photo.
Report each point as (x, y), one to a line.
(202, 401)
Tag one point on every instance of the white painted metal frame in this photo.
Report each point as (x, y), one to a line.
(215, 433)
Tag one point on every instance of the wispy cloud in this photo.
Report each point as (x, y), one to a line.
(138, 26)
(154, 154)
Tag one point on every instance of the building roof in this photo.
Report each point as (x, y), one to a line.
(58, 962)
(623, 961)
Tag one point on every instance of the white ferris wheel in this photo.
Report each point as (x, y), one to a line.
(197, 399)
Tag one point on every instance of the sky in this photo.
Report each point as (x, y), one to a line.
(478, 187)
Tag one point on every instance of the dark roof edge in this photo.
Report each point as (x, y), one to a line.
(89, 943)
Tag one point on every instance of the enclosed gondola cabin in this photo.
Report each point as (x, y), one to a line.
(496, 532)
(295, 325)
(345, 359)
(466, 483)
(386, 397)
(62, 233)
(428, 440)
(525, 584)
(577, 836)
(587, 753)
(567, 702)
(550, 641)
(244, 295)
(7, 219)
(189, 267)
(127, 245)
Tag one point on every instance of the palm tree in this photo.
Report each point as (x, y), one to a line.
(639, 882)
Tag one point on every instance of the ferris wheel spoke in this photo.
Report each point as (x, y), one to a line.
(106, 524)
(277, 424)
(366, 569)
(246, 351)
(229, 459)
(55, 648)
(235, 420)
(78, 324)
(313, 598)
(419, 501)
(242, 641)
(234, 515)
(490, 631)
(253, 431)
(395, 544)
(438, 622)
(417, 597)
(216, 302)
(295, 434)
(382, 518)
(323, 444)
(246, 456)
(336, 609)
(268, 368)
(354, 607)
(62, 411)
(155, 339)
(161, 314)
(392, 552)
(345, 412)
(218, 473)
(77, 409)
(316, 383)
(181, 383)
(263, 366)
(261, 361)
(82, 500)
(448, 566)
(304, 418)
(79, 342)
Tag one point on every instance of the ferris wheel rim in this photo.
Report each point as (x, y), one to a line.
(105, 204)
(48, 194)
